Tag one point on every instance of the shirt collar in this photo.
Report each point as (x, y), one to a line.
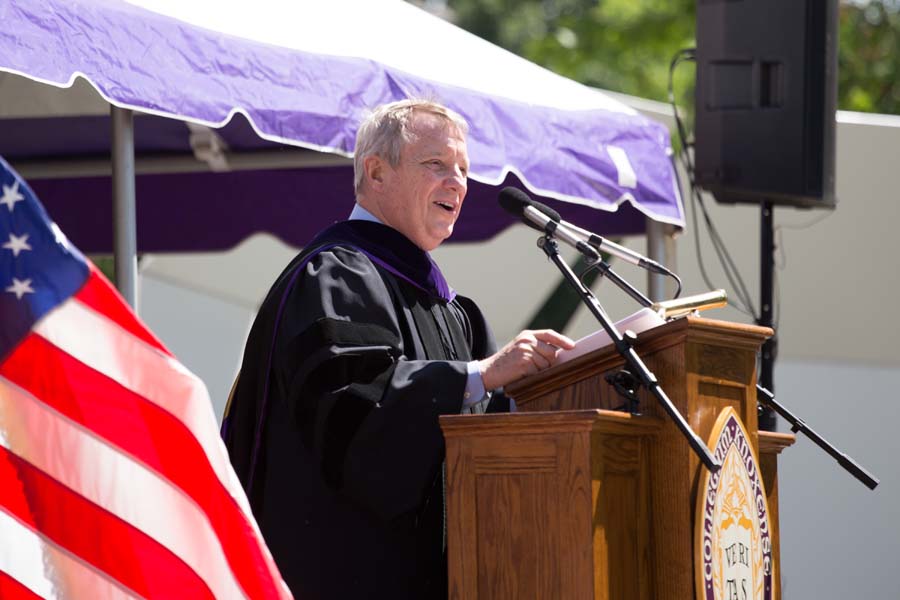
(361, 214)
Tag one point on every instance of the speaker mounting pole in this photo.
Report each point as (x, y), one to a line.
(766, 315)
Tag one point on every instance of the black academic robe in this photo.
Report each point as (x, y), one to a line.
(333, 424)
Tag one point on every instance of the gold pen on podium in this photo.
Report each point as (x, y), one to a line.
(670, 309)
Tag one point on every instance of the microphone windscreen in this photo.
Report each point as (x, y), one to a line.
(514, 201)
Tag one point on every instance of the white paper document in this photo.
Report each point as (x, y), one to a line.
(640, 321)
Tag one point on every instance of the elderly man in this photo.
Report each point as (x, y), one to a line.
(358, 348)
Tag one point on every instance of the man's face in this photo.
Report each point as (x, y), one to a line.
(424, 193)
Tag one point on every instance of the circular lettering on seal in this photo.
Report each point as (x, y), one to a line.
(732, 534)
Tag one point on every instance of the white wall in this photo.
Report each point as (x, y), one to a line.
(838, 539)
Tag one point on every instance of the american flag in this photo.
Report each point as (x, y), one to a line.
(113, 480)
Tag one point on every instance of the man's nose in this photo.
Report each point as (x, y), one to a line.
(456, 180)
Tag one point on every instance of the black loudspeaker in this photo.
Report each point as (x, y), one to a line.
(765, 100)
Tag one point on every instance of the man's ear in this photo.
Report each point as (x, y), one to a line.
(375, 169)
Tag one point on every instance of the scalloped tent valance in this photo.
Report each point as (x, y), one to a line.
(255, 79)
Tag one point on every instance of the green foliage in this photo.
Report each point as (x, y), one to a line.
(627, 45)
(620, 45)
(107, 265)
(869, 58)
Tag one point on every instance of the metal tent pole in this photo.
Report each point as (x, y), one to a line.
(124, 211)
(661, 248)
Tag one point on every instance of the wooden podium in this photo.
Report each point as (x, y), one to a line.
(569, 499)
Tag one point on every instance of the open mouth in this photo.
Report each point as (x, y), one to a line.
(446, 206)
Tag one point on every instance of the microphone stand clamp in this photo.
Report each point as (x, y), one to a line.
(626, 385)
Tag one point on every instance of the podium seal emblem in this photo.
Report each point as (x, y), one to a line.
(732, 533)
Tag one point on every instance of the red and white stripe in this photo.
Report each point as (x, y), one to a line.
(114, 482)
(45, 569)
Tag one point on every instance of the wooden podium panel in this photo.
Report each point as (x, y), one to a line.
(569, 499)
(545, 505)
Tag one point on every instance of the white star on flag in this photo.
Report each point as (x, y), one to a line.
(20, 288)
(11, 195)
(17, 243)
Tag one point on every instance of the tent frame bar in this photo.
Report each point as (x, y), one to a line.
(661, 248)
(124, 205)
(152, 164)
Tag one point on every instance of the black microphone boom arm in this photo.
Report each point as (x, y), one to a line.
(767, 398)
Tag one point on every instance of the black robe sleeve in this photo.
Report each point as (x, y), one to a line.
(365, 408)
(483, 345)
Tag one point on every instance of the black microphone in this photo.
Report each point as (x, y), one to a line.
(544, 219)
(512, 199)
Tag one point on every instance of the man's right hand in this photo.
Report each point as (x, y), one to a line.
(529, 352)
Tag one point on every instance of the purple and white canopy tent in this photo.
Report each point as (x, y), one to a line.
(271, 92)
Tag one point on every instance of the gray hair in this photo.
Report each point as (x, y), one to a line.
(385, 131)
